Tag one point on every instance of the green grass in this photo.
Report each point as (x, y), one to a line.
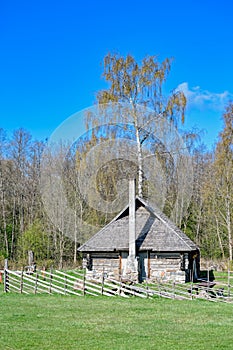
(222, 277)
(66, 322)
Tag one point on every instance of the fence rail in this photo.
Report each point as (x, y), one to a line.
(76, 283)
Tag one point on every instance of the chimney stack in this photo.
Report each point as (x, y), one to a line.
(130, 270)
(132, 219)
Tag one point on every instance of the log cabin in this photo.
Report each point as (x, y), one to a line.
(141, 243)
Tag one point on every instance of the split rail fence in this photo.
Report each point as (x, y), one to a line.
(76, 283)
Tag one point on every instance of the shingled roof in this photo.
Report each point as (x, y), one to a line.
(154, 232)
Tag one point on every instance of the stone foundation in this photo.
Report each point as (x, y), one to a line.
(158, 268)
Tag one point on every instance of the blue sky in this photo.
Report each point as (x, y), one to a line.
(51, 54)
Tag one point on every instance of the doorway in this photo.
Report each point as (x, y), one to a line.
(143, 266)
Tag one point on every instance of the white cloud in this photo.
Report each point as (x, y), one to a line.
(204, 99)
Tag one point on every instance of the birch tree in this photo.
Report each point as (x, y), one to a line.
(223, 166)
(140, 83)
(3, 193)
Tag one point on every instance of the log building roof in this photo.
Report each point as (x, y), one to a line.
(154, 232)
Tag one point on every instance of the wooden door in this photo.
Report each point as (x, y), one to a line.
(143, 266)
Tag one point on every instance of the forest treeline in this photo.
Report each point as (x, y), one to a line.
(24, 223)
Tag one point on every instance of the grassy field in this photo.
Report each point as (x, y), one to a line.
(64, 322)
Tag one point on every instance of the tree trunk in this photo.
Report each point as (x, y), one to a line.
(228, 222)
(13, 230)
(219, 237)
(4, 225)
(4, 217)
(139, 154)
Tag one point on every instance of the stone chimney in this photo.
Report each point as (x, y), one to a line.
(131, 268)
(132, 219)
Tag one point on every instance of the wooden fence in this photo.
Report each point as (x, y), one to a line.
(73, 283)
(76, 283)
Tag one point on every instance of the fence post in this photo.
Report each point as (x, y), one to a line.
(147, 289)
(84, 282)
(21, 281)
(192, 281)
(35, 290)
(50, 281)
(6, 276)
(206, 295)
(119, 290)
(102, 286)
(228, 281)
